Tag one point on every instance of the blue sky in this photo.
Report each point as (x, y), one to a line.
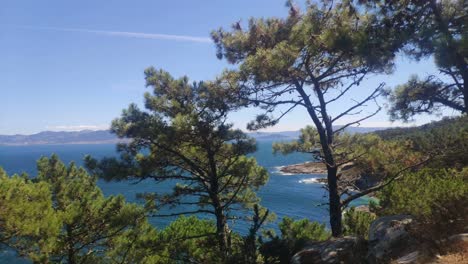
(70, 65)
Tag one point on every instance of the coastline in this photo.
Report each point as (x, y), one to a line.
(305, 168)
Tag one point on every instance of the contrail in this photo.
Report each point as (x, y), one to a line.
(126, 34)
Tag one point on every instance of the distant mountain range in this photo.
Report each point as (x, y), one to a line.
(105, 136)
(62, 137)
(290, 135)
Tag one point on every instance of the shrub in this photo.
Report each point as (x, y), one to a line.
(437, 198)
(421, 192)
(294, 236)
(357, 223)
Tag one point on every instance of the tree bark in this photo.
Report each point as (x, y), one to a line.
(70, 250)
(326, 140)
(221, 222)
(221, 231)
(334, 200)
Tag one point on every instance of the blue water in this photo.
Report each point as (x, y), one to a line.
(296, 196)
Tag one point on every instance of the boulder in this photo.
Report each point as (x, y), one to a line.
(389, 238)
(459, 238)
(335, 250)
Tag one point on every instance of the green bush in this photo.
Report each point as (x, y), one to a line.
(190, 240)
(357, 223)
(294, 236)
(419, 193)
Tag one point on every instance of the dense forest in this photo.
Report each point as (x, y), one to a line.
(312, 59)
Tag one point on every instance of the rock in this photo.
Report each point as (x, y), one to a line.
(410, 258)
(389, 238)
(305, 168)
(459, 238)
(335, 250)
(363, 208)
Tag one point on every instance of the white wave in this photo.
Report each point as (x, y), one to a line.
(277, 170)
(310, 180)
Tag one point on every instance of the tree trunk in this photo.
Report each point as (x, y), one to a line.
(222, 231)
(326, 140)
(70, 249)
(221, 221)
(334, 200)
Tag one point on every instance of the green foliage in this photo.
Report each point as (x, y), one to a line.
(190, 240)
(367, 153)
(89, 220)
(448, 217)
(310, 59)
(294, 236)
(418, 193)
(445, 140)
(27, 220)
(357, 223)
(428, 28)
(140, 244)
(299, 231)
(183, 135)
(271, 49)
(249, 250)
(62, 215)
(429, 96)
(308, 142)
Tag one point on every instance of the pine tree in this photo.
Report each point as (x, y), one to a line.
(428, 28)
(62, 216)
(183, 135)
(311, 60)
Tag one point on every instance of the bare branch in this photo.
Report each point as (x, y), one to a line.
(344, 91)
(357, 121)
(372, 96)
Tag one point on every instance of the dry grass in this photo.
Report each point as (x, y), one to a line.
(458, 255)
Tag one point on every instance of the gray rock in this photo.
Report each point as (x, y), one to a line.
(459, 238)
(389, 238)
(336, 250)
(410, 258)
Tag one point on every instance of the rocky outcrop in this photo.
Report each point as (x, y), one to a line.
(305, 168)
(389, 239)
(335, 250)
(347, 173)
(389, 242)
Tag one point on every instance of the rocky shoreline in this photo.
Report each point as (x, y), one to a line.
(305, 168)
(348, 173)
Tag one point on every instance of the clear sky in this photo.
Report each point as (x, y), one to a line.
(72, 65)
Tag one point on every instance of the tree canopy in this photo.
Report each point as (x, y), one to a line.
(435, 29)
(62, 216)
(311, 60)
(183, 135)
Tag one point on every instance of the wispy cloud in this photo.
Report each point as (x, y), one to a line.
(77, 127)
(125, 34)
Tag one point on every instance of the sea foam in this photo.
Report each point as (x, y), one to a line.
(310, 180)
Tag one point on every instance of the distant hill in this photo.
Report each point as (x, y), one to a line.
(445, 124)
(62, 137)
(353, 130)
(291, 135)
(105, 136)
(279, 136)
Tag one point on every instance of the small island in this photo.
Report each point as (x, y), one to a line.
(305, 168)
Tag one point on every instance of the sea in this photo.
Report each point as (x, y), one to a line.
(297, 196)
